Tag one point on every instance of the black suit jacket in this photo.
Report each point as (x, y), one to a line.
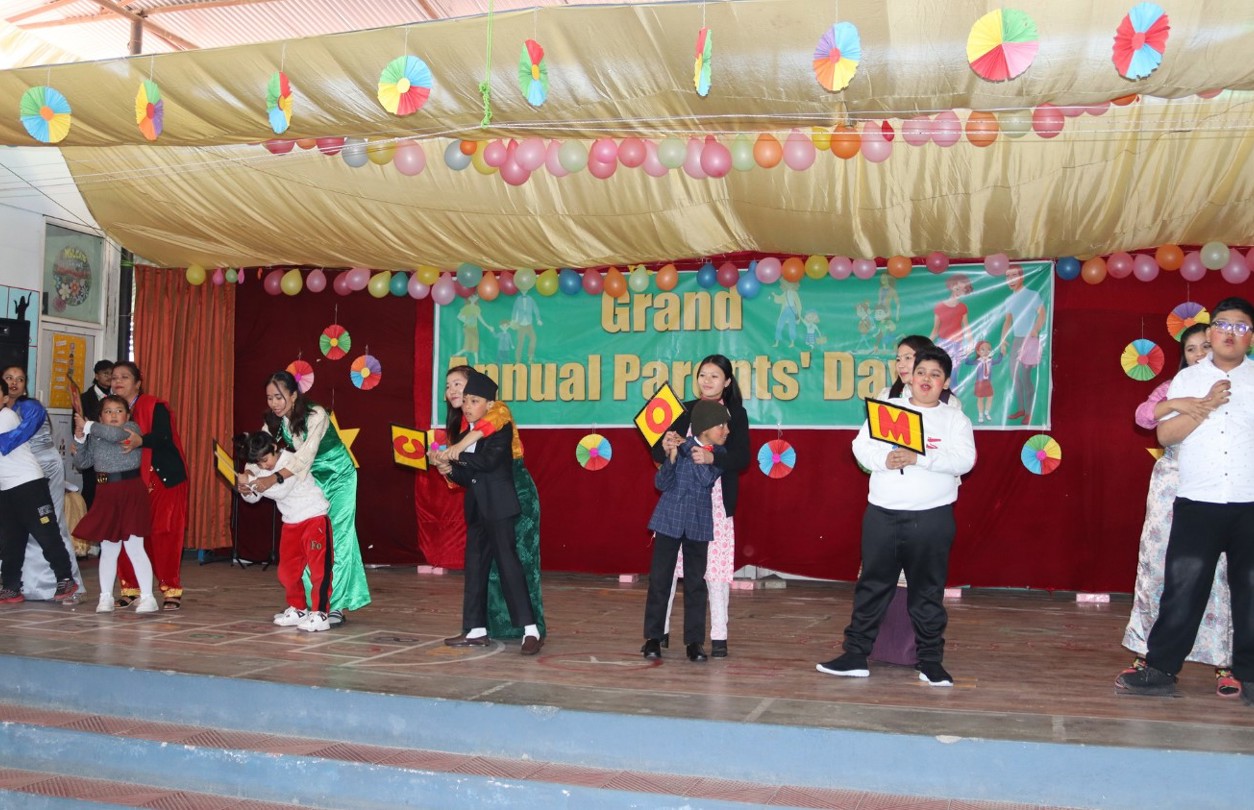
(488, 476)
(91, 403)
(732, 462)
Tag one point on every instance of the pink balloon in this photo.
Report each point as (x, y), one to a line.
(799, 152)
(603, 150)
(495, 153)
(416, 289)
(599, 170)
(514, 174)
(1047, 121)
(1144, 267)
(219, 277)
(358, 278)
(442, 292)
(530, 154)
(316, 281)
(716, 159)
(631, 152)
(329, 146)
(917, 131)
(946, 129)
(864, 268)
(997, 264)
(874, 148)
(593, 281)
(552, 159)
(1192, 269)
(340, 285)
(652, 166)
(273, 283)
(279, 146)
(1210, 93)
(409, 159)
(1119, 265)
(839, 267)
(1073, 111)
(768, 270)
(937, 262)
(1097, 109)
(1236, 271)
(692, 162)
(728, 275)
(461, 290)
(506, 283)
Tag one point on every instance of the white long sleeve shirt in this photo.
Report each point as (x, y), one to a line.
(934, 480)
(1217, 458)
(297, 497)
(19, 466)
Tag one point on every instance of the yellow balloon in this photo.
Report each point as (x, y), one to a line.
(380, 153)
(427, 274)
(476, 160)
(195, 275)
(546, 282)
(821, 137)
(291, 283)
(380, 283)
(816, 267)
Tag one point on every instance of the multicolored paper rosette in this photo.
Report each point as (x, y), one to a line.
(701, 67)
(437, 440)
(279, 103)
(837, 55)
(335, 342)
(149, 110)
(1041, 454)
(366, 372)
(533, 73)
(593, 452)
(1142, 360)
(46, 114)
(405, 85)
(1002, 44)
(776, 458)
(1184, 316)
(1140, 41)
(304, 374)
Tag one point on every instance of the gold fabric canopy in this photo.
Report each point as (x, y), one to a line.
(1153, 172)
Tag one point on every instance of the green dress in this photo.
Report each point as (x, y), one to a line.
(527, 541)
(336, 476)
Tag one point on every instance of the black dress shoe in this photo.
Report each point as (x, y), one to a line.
(652, 649)
(695, 653)
(462, 641)
(531, 645)
(666, 640)
(718, 649)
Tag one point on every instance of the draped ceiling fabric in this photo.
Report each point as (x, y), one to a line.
(1154, 172)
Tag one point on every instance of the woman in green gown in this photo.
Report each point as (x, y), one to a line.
(306, 428)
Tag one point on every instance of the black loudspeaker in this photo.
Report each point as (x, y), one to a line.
(14, 342)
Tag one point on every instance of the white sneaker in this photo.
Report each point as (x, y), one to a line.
(290, 617)
(147, 604)
(314, 621)
(105, 605)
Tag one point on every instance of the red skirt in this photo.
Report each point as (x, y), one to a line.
(119, 510)
(983, 388)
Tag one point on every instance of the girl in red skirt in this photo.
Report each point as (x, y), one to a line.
(120, 513)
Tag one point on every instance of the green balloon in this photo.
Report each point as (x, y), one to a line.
(742, 154)
(638, 280)
(399, 285)
(231, 275)
(1214, 255)
(525, 279)
(1015, 123)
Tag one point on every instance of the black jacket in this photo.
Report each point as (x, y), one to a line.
(732, 463)
(488, 476)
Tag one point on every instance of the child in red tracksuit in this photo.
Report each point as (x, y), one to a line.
(306, 539)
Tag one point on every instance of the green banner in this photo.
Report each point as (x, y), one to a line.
(805, 354)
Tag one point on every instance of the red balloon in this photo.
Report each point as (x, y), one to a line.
(340, 285)
(631, 152)
(462, 290)
(506, 283)
(603, 150)
(593, 281)
(278, 146)
(601, 171)
(330, 146)
(728, 275)
(1048, 121)
(513, 174)
(716, 159)
(274, 282)
(1119, 265)
(937, 262)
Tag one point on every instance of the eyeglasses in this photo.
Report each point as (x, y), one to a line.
(1239, 329)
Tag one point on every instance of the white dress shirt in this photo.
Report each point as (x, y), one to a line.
(1217, 458)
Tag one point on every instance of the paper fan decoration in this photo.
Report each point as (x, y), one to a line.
(1140, 41)
(404, 85)
(593, 452)
(437, 440)
(1002, 44)
(1041, 454)
(366, 372)
(46, 114)
(1184, 316)
(776, 458)
(1142, 360)
(335, 342)
(149, 110)
(701, 68)
(837, 55)
(304, 374)
(533, 73)
(279, 103)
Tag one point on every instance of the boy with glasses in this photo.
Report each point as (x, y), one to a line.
(1214, 508)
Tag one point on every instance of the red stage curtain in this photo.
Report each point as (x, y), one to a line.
(185, 347)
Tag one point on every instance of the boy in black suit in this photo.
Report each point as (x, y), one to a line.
(491, 505)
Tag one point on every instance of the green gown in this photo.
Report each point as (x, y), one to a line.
(336, 476)
(527, 541)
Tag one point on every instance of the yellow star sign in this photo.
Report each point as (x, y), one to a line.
(348, 436)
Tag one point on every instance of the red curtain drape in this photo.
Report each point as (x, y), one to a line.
(185, 347)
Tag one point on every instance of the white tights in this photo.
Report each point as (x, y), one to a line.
(109, 551)
(720, 593)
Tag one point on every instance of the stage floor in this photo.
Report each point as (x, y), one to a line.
(1027, 666)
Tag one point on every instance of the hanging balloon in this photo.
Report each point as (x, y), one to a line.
(416, 289)
(455, 158)
(1169, 257)
(1119, 265)
(399, 284)
(553, 159)
(1068, 268)
(273, 283)
(340, 284)
(593, 281)
(671, 152)
(716, 159)
(767, 152)
(638, 280)
(742, 154)
(195, 275)
(793, 269)
(616, 285)
(279, 146)
(380, 153)
(1015, 123)
(488, 288)
(442, 292)
(875, 148)
(667, 277)
(899, 266)
(937, 262)
(461, 290)
(1215, 255)
(291, 282)
(546, 282)
(427, 274)
(692, 160)
(316, 282)
(358, 278)
(525, 279)
(917, 130)
(354, 152)
(1094, 270)
(409, 159)
(816, 267)
(232, 276)
(380, 284)
(1047, 121)
(569, 282)
(652, 165)
(863, 268)
(707, 276)
(1236, 271)
(506, 282)
(799, 151)
(631, 152)
(748, 285)
(997, 264)
(468, 274)
(573, 156)
(981, 128)
(1144, 267)
(846, 142)
(768, 270)
(530, 154)
(601, 171)
(727, 275)
(479, 161)
(946, 129)
(840, 267)
(330, 146)
(1192, 269)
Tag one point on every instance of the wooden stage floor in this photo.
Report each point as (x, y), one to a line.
(1027, 666)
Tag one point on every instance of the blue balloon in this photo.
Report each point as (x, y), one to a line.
(1068, 268)
(748, 285)
(469, 275)
(707, 276)
(454, 158)
(399, 285)
(569, 282)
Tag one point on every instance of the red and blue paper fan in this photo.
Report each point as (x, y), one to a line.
(1142, 359)
(304, 374)
(1041, 454)
(405, 85)
(1140, 41)
(701, 72)
(776, 458)
(837, 55)
(366, 372)
(593, 452)
(279, 103)
(46, 114)
(533, 73)
(149, 110)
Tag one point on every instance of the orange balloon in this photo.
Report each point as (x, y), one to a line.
(468, 147)
(667, 277)
(793, 269)
(982, 128)
(615, 284)
(1169, 257)
(1124, 101)
(767, 151)
(899, 266)
(846, 142)
(306, 143)
(488, 288)
(1094, 270)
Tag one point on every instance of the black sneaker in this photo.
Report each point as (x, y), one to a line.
(652, 649)
(65, 589)
(848, 665)
(1148, 681)
(934, 674)
(718, 649)
(11, 596)
(336, 618)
